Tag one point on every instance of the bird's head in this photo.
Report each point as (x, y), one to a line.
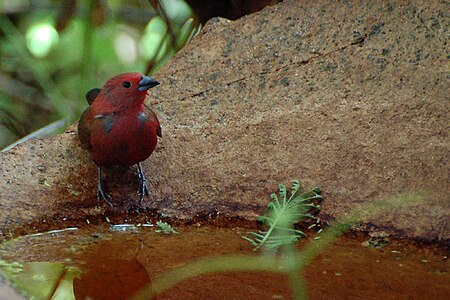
(128, 89)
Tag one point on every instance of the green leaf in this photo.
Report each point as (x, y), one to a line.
(165, 228)
(283, 192)
(281, 217)
(41, 280)
(295, 187)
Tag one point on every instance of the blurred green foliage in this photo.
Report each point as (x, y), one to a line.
(52, 52)
(41, 280)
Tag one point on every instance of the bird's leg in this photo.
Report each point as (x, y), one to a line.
(101, 194)
(143, 191)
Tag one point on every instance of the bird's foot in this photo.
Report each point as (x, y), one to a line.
(143, 190)
(101, 194)
(134, 208)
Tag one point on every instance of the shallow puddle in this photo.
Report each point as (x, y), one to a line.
(116, 262)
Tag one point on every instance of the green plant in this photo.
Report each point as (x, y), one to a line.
(290, 262)
(283, 213)
(164, 228)
(41, 280)
(52, 52)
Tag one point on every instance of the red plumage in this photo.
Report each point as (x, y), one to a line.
(118, 128)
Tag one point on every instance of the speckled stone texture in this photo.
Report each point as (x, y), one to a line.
(351, 96)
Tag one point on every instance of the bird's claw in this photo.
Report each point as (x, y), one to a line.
(134, 208)
(103, 195)
(143, 190)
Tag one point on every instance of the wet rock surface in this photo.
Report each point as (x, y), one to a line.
(348, 96)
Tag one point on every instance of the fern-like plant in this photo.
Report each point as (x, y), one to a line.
(284, 211)
(165, 228)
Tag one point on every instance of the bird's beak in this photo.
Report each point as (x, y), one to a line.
(147, 83)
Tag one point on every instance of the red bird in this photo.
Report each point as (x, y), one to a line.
(118, 128)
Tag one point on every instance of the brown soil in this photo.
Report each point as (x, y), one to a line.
(117, 264)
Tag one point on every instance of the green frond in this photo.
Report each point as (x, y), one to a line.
(295, 186)
(283, 192)
(283, 213)
(264, 219)
(165, 228)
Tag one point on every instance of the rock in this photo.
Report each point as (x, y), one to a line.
(351, 96)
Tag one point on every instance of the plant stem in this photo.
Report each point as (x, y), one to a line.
(297, 285)
(86, 62)
(294, 266)
(207, 266)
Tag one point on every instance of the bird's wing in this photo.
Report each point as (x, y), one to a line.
(92, 94)
(154, 118)
(84, 130)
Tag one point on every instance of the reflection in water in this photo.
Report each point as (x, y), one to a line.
(105, 271)
(107, 278)
(41, 280)
(117, 261)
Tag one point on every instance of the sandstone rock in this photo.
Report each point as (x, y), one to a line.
(351, 96)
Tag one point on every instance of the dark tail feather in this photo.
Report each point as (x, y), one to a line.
(92, 94)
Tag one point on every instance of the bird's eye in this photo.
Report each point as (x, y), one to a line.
(127, 84)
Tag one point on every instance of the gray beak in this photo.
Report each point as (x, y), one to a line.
(147, 83)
